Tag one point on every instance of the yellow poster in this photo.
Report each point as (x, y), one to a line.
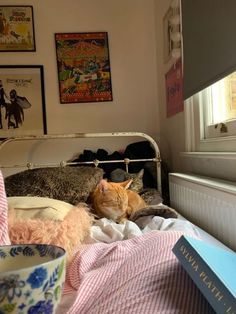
(16, 28)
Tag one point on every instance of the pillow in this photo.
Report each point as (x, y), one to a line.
(48, 221)
(38, 207)
(69, 184)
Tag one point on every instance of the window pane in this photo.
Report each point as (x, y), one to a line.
(223, 96)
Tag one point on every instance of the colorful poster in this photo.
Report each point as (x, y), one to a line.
(83, 67)
(174, 89)
(16, 28)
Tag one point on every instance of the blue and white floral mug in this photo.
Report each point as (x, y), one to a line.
(31, 278)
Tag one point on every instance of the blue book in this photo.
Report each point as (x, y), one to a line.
(213, 270)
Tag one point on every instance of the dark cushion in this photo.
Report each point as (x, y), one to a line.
(68, 184)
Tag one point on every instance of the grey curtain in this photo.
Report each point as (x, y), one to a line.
(209, 42)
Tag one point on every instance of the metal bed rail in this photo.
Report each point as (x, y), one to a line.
(126, 161)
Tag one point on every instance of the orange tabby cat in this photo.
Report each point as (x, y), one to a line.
(114, 200)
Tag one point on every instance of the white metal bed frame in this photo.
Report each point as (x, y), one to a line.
(96, 162)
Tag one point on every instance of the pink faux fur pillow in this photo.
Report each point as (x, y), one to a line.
(68, 233)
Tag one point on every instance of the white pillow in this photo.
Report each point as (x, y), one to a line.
(34, 207)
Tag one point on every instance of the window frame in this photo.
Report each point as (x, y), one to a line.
(194, 129)
(222, 128)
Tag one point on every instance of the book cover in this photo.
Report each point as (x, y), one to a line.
(213, 270)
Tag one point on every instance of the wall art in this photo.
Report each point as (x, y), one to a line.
(22, 102)
(83, 64)
(174, 89)
(172, 32)
(17, 28)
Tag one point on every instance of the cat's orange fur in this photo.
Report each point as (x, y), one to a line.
(114, 200)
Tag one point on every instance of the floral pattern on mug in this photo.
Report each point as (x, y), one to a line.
(37, 278)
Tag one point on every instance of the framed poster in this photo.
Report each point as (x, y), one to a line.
(17, 28)
(167, 35)
(22, 103)
(174, 89)
(83, 64)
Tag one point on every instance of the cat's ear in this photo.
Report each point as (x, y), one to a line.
(126, 184)
(103, 185)
(141, 173)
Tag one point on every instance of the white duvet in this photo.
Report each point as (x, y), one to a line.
(107, 231)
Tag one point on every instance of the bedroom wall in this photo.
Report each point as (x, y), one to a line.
(132, 32)
(172, 129)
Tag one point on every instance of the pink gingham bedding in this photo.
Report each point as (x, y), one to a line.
(4, 238)
(139, 275)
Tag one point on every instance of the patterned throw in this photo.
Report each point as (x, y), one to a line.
(68, 184)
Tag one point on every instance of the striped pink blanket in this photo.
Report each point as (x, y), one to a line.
(140, 275)
(4, 238)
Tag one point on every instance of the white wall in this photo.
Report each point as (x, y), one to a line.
(131, 32)
(172, 129)
(135, 30)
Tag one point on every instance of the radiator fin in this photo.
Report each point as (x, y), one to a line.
(211, 209)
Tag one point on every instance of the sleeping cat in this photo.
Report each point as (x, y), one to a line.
(120, 175)
(114, 200)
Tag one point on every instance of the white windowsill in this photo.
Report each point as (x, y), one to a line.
(218, 155)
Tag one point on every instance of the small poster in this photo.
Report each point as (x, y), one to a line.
(16, 28)
(83, 63)
(174, 89)
(22, 102)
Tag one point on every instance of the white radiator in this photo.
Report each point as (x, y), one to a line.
(208, 203)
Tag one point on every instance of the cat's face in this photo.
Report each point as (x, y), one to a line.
(137, 180)
(110, 199)
(120, 175)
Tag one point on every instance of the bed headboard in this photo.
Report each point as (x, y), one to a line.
(62, 163)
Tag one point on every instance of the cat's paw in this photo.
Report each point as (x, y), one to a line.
(122, 220)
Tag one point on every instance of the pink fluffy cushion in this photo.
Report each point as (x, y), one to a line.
(68, 233)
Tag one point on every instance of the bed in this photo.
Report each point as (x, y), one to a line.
(113, 268)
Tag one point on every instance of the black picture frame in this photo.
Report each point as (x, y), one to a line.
(17, 28)
(22, 101)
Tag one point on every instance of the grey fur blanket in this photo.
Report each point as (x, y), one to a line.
(69, 184)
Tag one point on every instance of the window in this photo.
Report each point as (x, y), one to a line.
(211, 117)
(219, 108)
